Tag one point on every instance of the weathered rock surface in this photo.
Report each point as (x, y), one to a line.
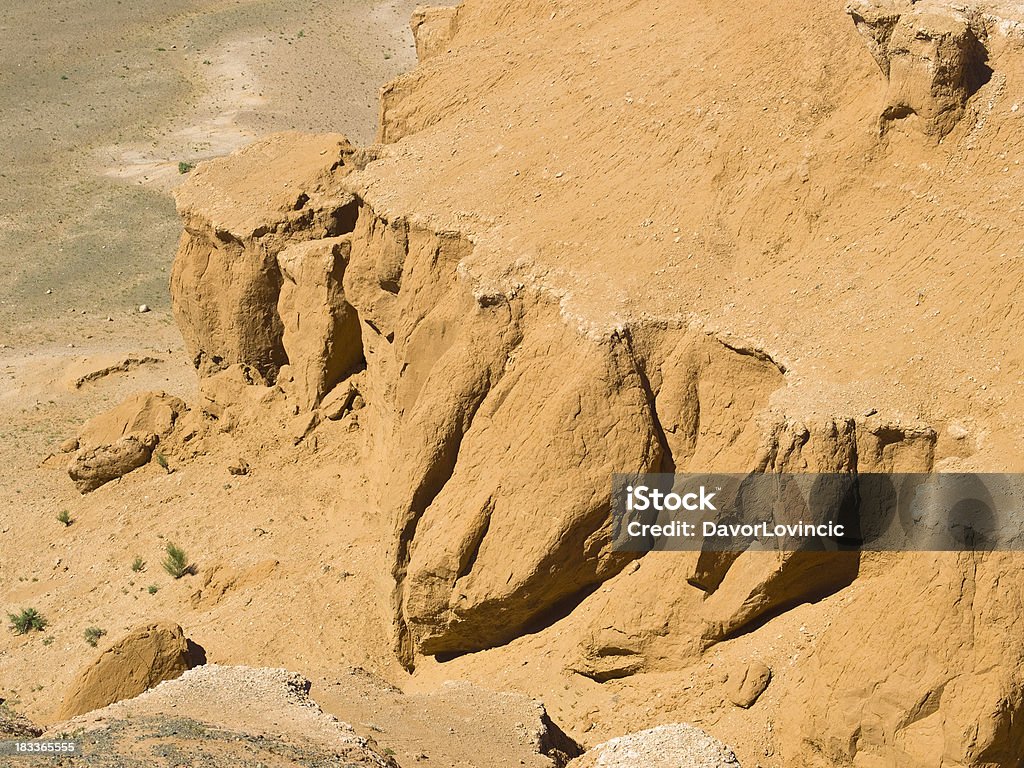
(747, 683)
(135, 663)
(921, 669)
(523, 339)
(667, 746)
(321, 330)
(114, 443)
(239, 214)
(140, 415)
(92, 467)
(931, 55)
(433, 27)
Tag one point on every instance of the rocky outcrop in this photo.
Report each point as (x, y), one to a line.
(921, 668)
(433, 27)
(932, 56)
(668, 746)
(505, 380)
(135, 663)
(321, 337)
(114, 443)
(497, 424)
(239, 214)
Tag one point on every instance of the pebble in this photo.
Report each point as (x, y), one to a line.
(143, 308)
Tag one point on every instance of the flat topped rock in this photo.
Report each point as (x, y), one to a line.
(263, 182)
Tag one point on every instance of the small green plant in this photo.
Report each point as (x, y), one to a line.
(48, 640)
(162, 461)
(152, 589)
(184, 167)
(64, 517)
(176, 563)
(26, 621)
(138, 565)
(302, 33)
(93, 634)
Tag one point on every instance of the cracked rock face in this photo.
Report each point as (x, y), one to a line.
(931, 56)
(239, 214)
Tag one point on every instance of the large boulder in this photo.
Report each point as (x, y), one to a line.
(123, 439)
(92, 467)
(144, 657)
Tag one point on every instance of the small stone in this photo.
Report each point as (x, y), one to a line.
(143, 308)
(48, 291)
(745, 685)
(69, 445)
(957, 430)
(239, 469)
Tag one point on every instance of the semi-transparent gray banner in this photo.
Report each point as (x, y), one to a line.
(790, 512)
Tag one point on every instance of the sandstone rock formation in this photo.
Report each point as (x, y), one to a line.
(668, 746)
(114, 443)
(321, 330)
(930, 54)
(531, 320)
(135, 663)
(747, 683)
(937, 679)
(239, 214)
(93, 467)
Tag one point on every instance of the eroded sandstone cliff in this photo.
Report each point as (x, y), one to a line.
(600, 239)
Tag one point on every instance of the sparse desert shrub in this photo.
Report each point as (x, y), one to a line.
(93, 634)
(162, 461)
(176, 563)
(138, 565)
(29, 619)
(184, 167)
(64, 517)
(152, 589)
